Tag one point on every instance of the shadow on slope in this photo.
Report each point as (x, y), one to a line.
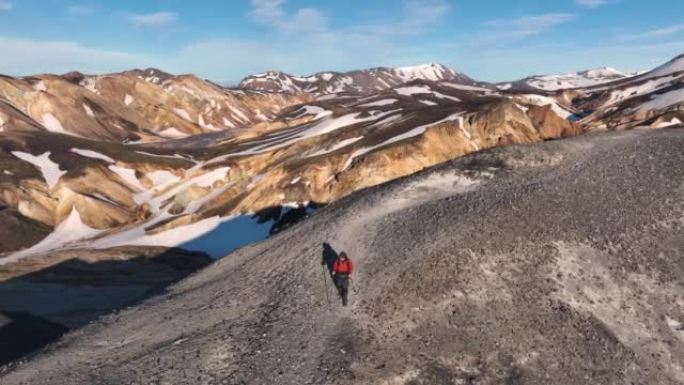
(18, 231)
(21, 333)
(240, 231)
(38, 307)
(42, 305)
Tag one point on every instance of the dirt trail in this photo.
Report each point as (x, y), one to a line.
(558, 262)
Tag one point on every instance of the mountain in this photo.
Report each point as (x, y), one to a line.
(654, 99)
(582, 79)
(364, 81)
(560, 260)
(93, 181)
(317, 152)
(138, 105)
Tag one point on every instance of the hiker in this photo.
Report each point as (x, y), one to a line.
(342, 271)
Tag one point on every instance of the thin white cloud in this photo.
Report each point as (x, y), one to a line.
(31, 56)
(591, 3)
(533, 23)
(415, 17)
(267, 11)
(6, 5)
(503, 30)
(419, 14)
(79, 10)
(654, 33)
(319, 46)
(373, 43)
(157, 19)
(270, 13)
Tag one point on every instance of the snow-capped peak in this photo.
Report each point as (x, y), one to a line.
(602, 73)
(673, 66)
(587, 78)
(372, 79)
(433, 72)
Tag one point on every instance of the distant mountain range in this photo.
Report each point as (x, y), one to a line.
(361, 81)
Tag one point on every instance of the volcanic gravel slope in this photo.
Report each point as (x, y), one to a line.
(554, 263)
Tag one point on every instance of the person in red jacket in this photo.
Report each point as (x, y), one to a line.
(342, 271)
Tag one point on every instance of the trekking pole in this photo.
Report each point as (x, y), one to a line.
(325, 283)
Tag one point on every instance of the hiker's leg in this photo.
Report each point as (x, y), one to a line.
(338, 284)
(345, 291)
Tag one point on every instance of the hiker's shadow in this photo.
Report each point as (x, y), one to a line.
(329, 256)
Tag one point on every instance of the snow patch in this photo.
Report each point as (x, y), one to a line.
(162, 177)
(409, 134)
(88, 110)
(173, 133)
(128, 99)
(240, 115)
(379, 103)
(465, 87)
(52, 123)
(673, 66)
(228, 123)
(672, 122)
(665, 100)
(51, 171)
(71, 230)
(90, 85)
(40, 86)
(284, 139)
(327, 97)
(539, 100)
(201, 122)
(647, 87)
(182, 113)
(582, 79)
(174, 156)
(317, 111)
(217, 236)
(337, 146)
(92, 154)
(412, 90)
(433, 72)
(418, 90)
(209, 178)
(128, 176)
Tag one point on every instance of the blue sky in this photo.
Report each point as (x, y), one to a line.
(492, 40)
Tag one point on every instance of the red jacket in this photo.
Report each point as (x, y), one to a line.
(343, 267)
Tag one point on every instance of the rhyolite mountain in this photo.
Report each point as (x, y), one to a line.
(146, 173)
